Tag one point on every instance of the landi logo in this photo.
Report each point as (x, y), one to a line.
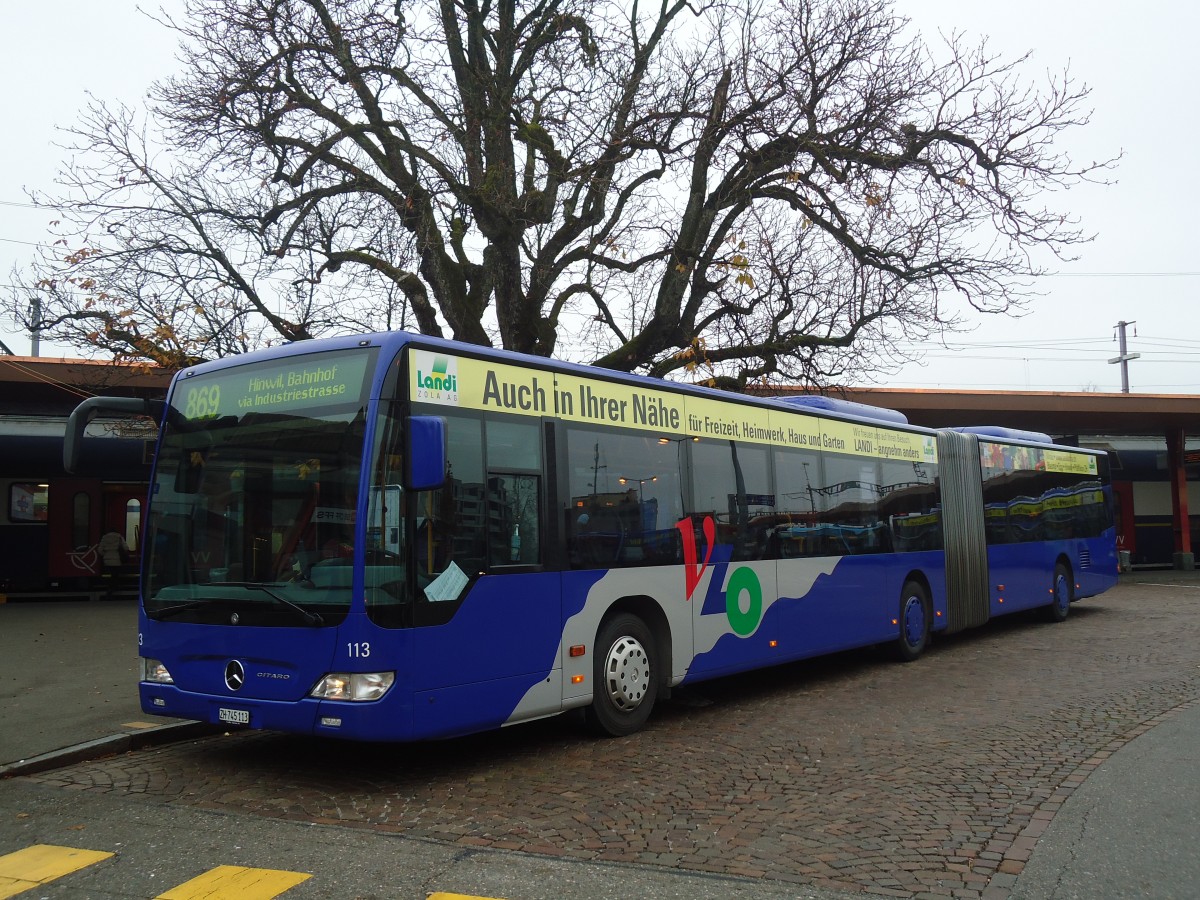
(436, 378)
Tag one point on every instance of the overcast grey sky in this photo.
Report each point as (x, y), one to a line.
(1142, 66)
(1140, 62)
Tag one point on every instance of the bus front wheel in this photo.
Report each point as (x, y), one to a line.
(625, 677)
(915, 622)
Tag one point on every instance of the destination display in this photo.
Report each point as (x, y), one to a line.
(280, 386)
(475, 384)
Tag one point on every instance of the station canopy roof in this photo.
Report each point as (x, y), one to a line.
(1059, 414)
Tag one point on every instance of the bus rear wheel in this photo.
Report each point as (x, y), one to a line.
(915, 622)
(1060, 592)
(625, 677)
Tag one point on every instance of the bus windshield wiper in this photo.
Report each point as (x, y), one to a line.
(310, 618)
(168, 611)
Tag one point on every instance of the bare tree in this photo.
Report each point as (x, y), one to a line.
(760, 190)
(166, 260)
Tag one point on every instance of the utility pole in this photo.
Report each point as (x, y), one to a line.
(1125, 356)
(35, 335)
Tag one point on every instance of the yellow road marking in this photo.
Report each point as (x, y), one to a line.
(41, 863)
(236, 881)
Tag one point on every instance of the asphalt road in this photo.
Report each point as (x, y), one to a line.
(68, 674)
(1130, 829)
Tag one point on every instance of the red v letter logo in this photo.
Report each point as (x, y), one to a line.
(692, 572)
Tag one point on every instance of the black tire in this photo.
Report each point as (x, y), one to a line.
(625, 676)
(916, 620)
(1062, 592)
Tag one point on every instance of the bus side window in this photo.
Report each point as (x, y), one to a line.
(731, 482)
(451, 523)
(513, 508)
(514, 492)
(798, 478)
(624, 498)
(849, 506)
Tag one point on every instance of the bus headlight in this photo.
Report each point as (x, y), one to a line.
(154, 671)
(353, 687)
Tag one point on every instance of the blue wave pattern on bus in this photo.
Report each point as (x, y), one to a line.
(505, 663)
(828, 604)
(725, 617)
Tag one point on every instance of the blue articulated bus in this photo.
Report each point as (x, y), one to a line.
(391, 537)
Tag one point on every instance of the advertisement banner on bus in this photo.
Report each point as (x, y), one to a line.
(486, 385)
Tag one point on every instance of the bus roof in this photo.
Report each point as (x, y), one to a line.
(391, 342)
(1005, 434)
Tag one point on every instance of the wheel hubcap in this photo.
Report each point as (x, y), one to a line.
(1062, 596)
(914, 621)
(627, 674)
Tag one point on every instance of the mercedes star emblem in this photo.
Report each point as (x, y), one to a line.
(235, 675)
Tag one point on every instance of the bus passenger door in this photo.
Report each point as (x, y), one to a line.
(488, 615)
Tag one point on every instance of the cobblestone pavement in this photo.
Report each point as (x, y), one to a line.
(932, 779)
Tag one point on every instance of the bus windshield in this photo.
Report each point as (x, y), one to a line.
(254, 506)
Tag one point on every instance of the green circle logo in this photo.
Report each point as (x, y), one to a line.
(743, 623)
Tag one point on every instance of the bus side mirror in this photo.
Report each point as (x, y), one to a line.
(94, 406)
(425, 453)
